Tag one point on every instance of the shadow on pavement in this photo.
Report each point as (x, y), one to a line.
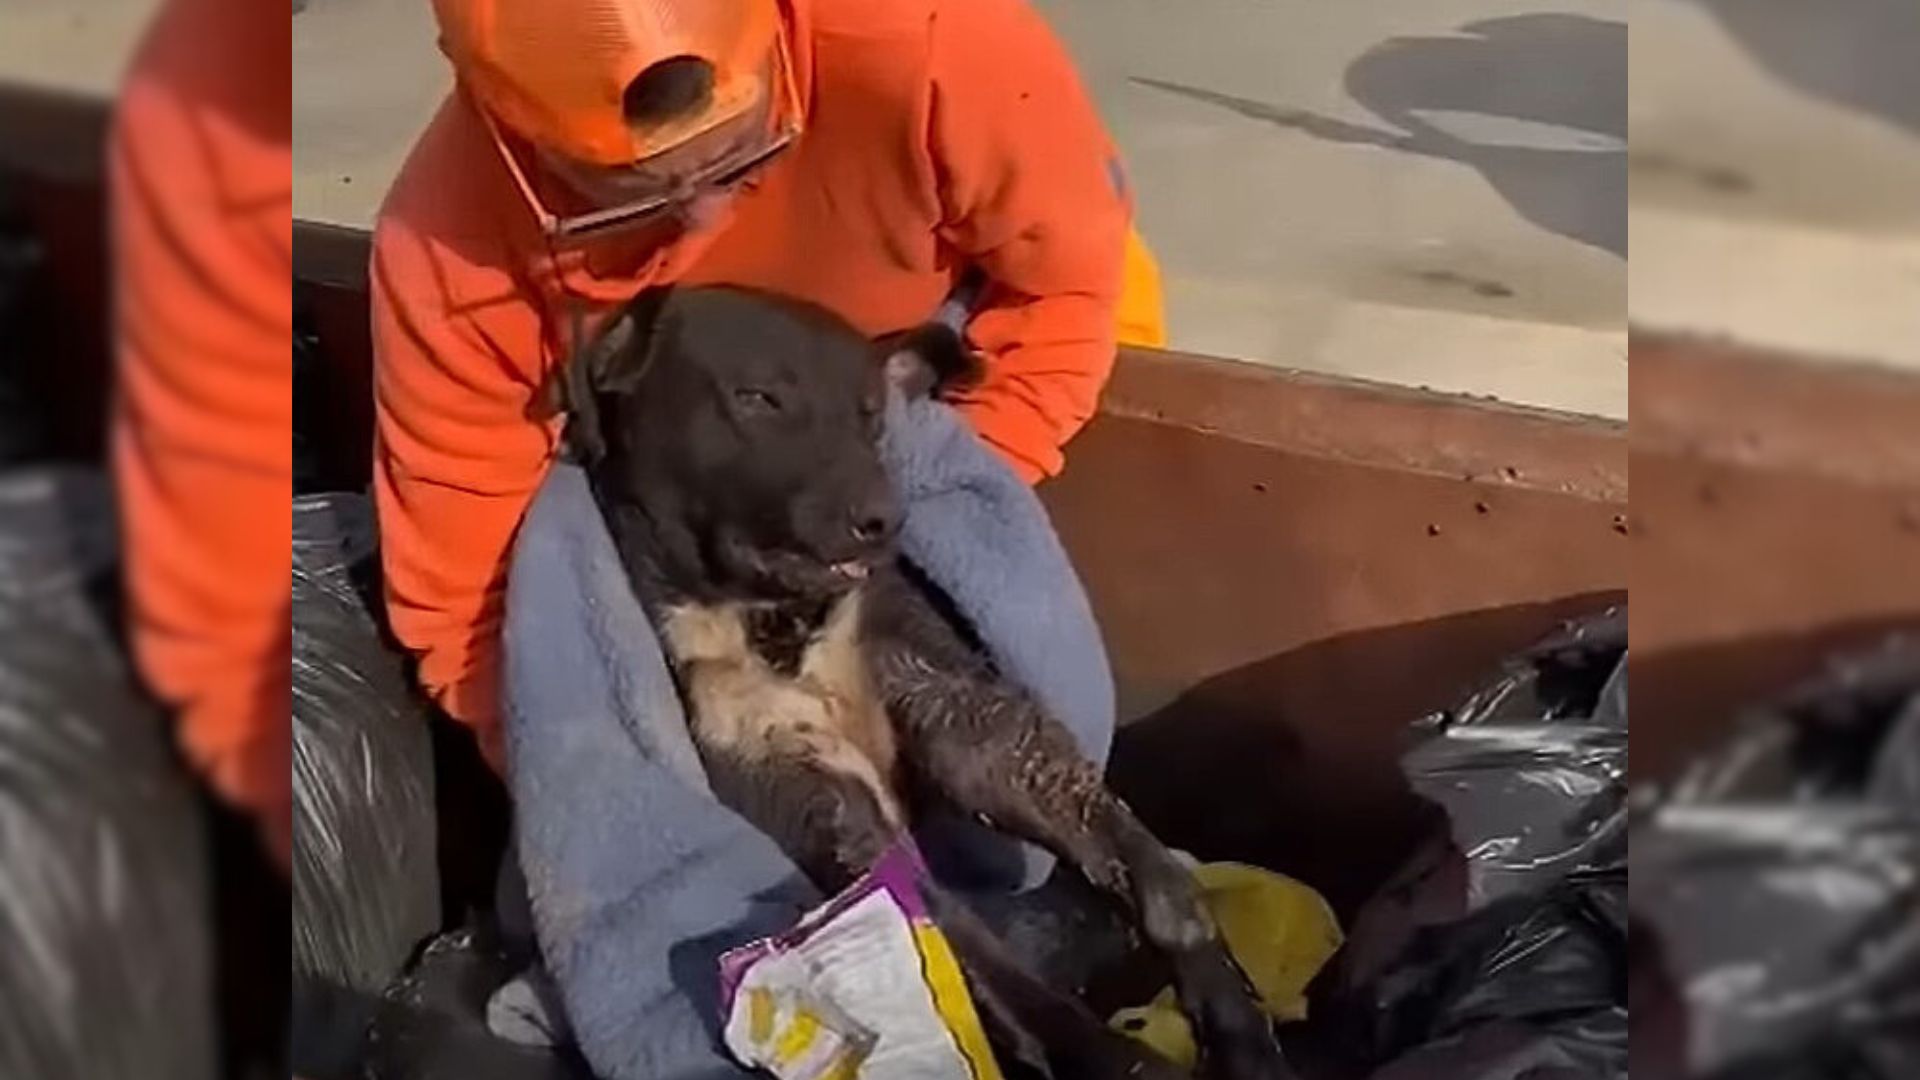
(1860, 54)
(1536, 103)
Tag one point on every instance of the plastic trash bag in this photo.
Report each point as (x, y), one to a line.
(434, 1021)
(105, 946)
(1532, 768)
(1851, 733)
(1527, 987)
(365, 882)
(1499, 952)
(1781, 877)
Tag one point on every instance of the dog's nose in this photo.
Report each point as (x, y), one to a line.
(870, 530)
(873, 523)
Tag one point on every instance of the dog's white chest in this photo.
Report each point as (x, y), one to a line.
(826, 711)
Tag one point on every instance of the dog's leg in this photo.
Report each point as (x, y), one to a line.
(994, 753)
(828, 822)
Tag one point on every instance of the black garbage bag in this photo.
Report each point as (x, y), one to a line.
(365, 881)
(105, 942)
(1532, 768)
(434, 1023)
(1848, 734)
(1527, 987)
(1780, 876)
(1500, 950)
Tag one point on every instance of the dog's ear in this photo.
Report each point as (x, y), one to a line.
(612, 361)
(931, 357)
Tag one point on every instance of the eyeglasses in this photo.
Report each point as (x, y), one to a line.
(722, 175)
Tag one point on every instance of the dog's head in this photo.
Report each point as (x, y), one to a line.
(735, 435)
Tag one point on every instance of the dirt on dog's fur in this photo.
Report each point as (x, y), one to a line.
(732, 442)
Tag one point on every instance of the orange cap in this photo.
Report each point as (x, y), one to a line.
(554, 71)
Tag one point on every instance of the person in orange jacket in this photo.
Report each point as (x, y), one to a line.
(200, 183)
(861, 154)
(199, 188)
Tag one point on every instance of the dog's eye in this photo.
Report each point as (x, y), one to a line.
(756, 402)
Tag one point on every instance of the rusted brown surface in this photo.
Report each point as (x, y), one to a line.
(1764, 410)
(1276, 619)
(52, 136)
(1373, 423)
(331, 256)
(1204, 554)
(1776, 519)
(59, 346)
(338, 398)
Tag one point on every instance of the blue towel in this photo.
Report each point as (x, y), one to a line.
(637, 878)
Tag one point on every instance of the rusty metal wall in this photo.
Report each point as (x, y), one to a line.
(1776, 519)
(1288, 570)
(56, 351)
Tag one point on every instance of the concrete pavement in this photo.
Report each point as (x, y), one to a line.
(69, 46)
(1403, 190)
(1411, 256)
(1427, 192)
(1776, 174)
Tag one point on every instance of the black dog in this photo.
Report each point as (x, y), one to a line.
(732, 444)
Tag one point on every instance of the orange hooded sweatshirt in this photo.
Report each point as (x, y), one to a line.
(200, 182)
(938, 134)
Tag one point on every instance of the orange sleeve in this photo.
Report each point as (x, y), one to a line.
(1031, 191)
(458, 359)
(199, 175)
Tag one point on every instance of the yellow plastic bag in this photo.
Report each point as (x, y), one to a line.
(1280, 932)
